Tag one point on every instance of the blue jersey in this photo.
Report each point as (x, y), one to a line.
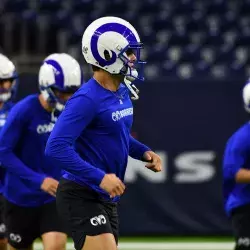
(92, 136)
(22, 144)
(4, 111)
(236, 156)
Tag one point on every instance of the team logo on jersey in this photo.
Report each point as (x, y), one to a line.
(118, 115)
(15, 237)
(98, 220)
(45, 128)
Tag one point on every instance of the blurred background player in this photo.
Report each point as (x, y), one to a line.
(91, 140)
(236, 172)
(31, 179)
(8, 86)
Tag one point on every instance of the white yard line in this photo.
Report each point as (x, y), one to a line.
(177, 246)
(163, 246)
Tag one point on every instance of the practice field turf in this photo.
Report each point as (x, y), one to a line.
(162, 243)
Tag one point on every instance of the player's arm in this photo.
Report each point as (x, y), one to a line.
(139, 151)
(236, 153)
(9, 137)
(243, 176)
(77, 115)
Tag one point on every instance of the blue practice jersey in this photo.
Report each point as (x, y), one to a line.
(22, 144)
(92, 136)
(236, 156)
(4, 111)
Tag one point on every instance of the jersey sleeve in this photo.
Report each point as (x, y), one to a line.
(235, 155)
(137, 149)
(9, 137)
(78, 113)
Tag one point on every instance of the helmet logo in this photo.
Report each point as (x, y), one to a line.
(109, 27)
(56, 72)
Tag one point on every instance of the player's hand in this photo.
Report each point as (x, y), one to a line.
(113, 185)
(154, 161)
(49, 185)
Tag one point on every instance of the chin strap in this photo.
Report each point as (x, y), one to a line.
(55, 114)
(131, 76)
(134, 91)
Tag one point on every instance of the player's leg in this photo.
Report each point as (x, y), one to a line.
(21, 224)
(3, 243)
(3, 239)
(100, 242)
(241, 227)
(111, 209)
(85, 216)
(104, 241)
(53, 234)
(54, 241)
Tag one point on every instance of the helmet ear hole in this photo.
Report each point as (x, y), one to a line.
(107, 55)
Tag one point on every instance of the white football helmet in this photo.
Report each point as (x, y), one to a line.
(104, 45)
(61, 72)
(7, 72)
(246, 96)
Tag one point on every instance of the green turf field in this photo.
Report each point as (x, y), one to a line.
(167, 243)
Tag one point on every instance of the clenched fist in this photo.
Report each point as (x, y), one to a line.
(154, 161)
(49, 185)
(113, 185)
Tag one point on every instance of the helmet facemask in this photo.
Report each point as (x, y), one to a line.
(57, 103)
(134, 72)
(138, 64)
(52, 96)
(8, 94)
